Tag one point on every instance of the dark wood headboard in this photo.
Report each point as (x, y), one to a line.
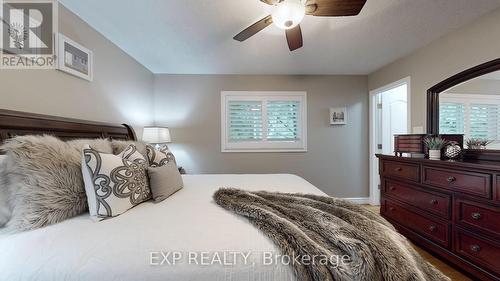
(15, 123)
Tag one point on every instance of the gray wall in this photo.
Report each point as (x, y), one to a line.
(461, 49)
(122, 90)
(337, 157)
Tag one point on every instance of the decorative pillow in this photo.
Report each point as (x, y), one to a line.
(119, 146)
(101, 145)
(114, 184)
(158, 158)
(132, 154)
(5, 209)
(44, 177)
(164, 181)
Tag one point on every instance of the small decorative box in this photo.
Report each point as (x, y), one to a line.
(414, 143)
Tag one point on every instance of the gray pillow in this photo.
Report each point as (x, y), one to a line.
(45, 179)
(164, 181)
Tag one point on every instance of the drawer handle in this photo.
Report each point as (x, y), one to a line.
(451, 179)
(475, 248)
(434, 202)
(476, 216)
(433, 228)
(392, 187)
(398, 169)
(391, 209)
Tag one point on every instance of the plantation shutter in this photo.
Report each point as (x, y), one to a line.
(245, 120)
(475, 116)
(484, 121)
(283, 120)
(263, 121)
(451, 118)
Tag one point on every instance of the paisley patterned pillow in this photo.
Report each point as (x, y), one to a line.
(131, 153)
(114, 184)
(158, 158)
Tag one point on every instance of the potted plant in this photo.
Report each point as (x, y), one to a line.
(435, 144)
(477, 143)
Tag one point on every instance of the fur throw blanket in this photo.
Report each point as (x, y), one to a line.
(316, 227)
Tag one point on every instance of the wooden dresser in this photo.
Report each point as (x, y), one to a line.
(451, 209)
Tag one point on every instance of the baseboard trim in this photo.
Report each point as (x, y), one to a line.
(359, 200)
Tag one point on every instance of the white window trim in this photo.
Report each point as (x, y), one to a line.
(264, 146)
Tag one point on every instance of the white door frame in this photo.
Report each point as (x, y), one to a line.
(374, 173)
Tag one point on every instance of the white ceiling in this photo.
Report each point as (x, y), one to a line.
(195, 36)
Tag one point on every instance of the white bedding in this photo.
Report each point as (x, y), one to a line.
(187, 223)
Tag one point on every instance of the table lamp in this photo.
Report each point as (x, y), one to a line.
(156, 135)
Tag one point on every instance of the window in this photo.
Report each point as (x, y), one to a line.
(451, 118)
(484, 121)
(264, 121)
(475, 116)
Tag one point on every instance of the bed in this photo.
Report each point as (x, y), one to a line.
(189, 225)
(196, 234)
(119, 249)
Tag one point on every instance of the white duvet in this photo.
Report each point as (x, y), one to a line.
(141, 244)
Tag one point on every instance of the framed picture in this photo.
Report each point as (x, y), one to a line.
(73, 58)
(338, 116)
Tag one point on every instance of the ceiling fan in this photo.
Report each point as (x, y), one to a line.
(287, 15)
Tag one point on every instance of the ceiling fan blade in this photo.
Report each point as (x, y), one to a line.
(294, 38)
(334, 8)
(270, 2)
(253, 29)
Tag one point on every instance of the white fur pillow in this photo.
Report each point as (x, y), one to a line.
(5, 209)
(114, 183)
(44, 180)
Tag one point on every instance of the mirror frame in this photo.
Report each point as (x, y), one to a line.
(433, 104)
(433, 93)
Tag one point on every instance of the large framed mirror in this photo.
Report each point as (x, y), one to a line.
(468, 103)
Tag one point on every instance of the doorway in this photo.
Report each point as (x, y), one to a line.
(389, 116)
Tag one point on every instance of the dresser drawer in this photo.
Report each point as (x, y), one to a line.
(478, 216)
(481, 251)
(434, 230)
(467, 182)
(433, 202)
(401, 170)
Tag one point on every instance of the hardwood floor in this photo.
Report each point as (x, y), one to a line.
(443, 267)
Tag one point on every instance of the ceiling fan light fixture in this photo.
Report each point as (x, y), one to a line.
(288, 14)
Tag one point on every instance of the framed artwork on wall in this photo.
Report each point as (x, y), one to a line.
(338, 116)
(73, 58)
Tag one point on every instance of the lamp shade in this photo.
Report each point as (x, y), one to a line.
(156, 135)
